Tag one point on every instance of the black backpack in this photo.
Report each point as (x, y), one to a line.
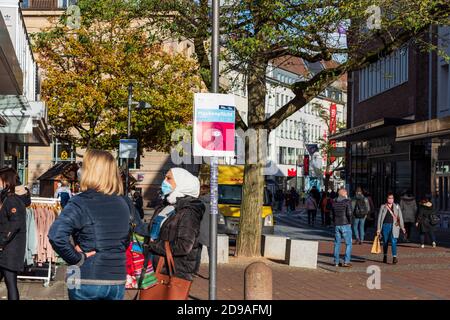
(361, 209)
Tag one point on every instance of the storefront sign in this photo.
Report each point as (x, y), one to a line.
(373, 151)
(214, 125)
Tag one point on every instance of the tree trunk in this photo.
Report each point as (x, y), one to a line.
(249, 238)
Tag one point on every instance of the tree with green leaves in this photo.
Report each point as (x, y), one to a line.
(87, 70)
(255, 32)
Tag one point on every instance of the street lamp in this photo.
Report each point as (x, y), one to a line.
(140, 105)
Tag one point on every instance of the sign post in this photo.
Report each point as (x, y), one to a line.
(213, 136)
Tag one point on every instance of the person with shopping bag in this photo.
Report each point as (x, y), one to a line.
(390, 221)
(175, 229)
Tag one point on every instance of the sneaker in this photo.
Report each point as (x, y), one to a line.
(394, 260)
(422, 246)
(347, 265)
(434, 244)
(385, 259)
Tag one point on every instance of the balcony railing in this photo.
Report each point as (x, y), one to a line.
(46, 4)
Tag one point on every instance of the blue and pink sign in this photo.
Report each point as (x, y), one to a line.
(214, 125)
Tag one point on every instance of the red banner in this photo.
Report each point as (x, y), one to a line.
(333, 127)
(306, 165)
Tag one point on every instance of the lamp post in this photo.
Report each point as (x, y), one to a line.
(214, 160)
(141, 105)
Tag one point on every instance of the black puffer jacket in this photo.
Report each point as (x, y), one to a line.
(342, 211)
(424, 217)
(182, 231)
(13, 230)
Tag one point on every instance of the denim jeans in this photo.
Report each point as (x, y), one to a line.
(346, 233)
(358, 228)
(387, 235)
(97, 292)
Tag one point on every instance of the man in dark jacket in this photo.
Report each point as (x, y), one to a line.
(342, 218)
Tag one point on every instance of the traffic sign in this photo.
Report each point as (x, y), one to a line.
(128, 148)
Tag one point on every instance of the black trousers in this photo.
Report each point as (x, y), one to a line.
(199, 258)
(312, 216)
(11, 283)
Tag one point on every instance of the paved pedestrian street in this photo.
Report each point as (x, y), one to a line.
(420, 273)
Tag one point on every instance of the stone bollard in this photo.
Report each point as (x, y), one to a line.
(258, 282)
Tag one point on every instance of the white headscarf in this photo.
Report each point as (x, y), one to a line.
(187, 185)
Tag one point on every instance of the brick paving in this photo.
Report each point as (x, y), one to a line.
(422, 274)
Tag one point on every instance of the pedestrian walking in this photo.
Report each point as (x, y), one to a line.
(342, 218)
(303, 195)
(370, 219)
(408, 206)
(13, 202)
(98, 220)
(178, 223)
(203, 238)
(287, 200)
(361, 208)
(293, 198)
(63, 193)
(138, 202)
(311, 208)
(279, 198)
(324, 208)
(424, 222)
(390, 221)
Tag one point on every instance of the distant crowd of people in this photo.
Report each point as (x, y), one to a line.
(352, 216)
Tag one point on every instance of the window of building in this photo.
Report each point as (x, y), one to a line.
(282, 155)
(384, 74)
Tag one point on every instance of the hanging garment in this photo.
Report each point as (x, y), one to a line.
(31, 240)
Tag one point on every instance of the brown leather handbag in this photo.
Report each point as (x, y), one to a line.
(168, 286)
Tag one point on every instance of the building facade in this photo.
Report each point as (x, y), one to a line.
(397, 90)
(23, 114)
(288, 143)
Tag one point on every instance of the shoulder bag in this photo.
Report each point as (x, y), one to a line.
(168, 287)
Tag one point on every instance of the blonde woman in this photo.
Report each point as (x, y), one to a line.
(98, 220)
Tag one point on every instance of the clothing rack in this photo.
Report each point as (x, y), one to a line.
(48, 277)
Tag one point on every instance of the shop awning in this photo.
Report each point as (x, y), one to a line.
(24, 122)
(378, 128)
(424, 129)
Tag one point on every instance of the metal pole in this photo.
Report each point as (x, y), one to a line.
(214, 160)
(130, 100)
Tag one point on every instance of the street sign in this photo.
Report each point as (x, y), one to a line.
(214, 125)
(128, 148)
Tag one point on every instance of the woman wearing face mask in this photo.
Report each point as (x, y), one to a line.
(390, 221)
(178, 221)
(13, 199)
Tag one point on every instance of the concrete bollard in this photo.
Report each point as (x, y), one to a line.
(274, 247)
(223, 250)
(258, 282)
(302, 253)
